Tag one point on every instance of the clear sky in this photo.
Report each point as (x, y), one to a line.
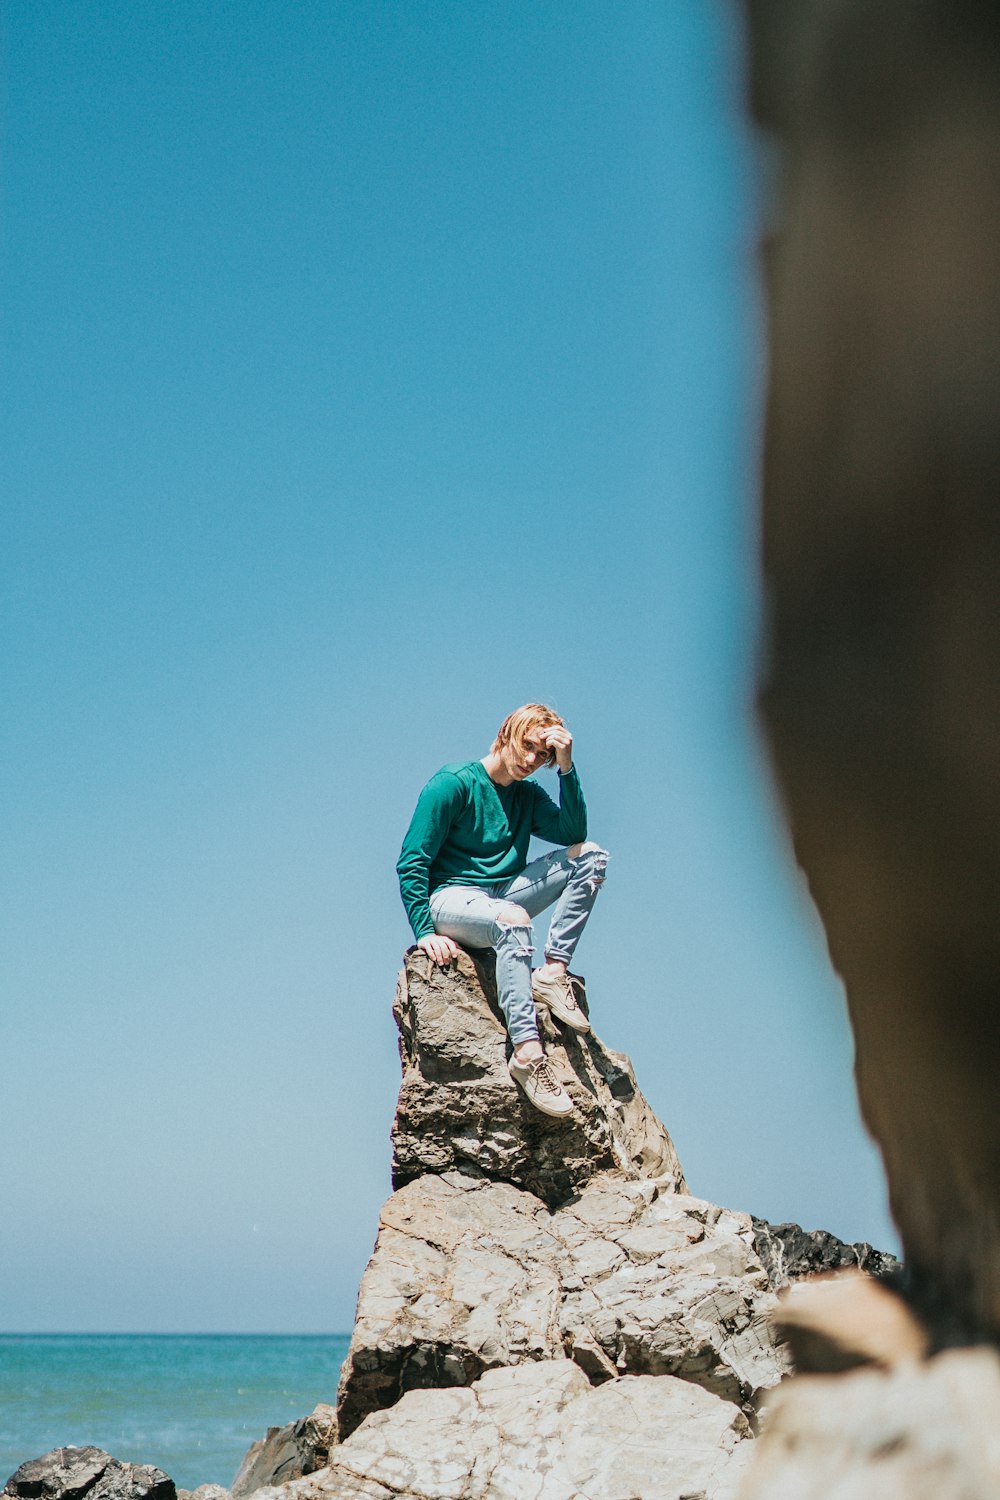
(372, 367)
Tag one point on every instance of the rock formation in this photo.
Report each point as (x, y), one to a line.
(541, 1431)
(87, 1474)
(286, 1453)
(627, 1278)
(606, 1261)
(789, 1252)
(457, 1107)
(547, 1312)
(835, 1323)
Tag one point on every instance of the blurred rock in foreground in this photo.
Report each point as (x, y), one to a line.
(923, 1431)
(881, 533)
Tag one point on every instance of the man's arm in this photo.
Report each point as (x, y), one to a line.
(567, 823)
(437, 807)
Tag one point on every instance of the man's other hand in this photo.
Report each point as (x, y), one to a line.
(559, 739)
(441, 949)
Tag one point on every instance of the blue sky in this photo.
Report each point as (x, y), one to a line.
(373, 366)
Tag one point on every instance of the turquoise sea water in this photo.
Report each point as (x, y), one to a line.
(190, 1404)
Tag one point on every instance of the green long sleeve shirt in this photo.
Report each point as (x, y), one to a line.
(467, 830)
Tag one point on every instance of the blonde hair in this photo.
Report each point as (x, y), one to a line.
(517, 726)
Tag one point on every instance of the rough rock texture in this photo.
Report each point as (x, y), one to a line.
(540, 1432)
(628, 1277)
(287, 1452)
(882, 556)
(71, 1473)
(547, 1315)
(788, 1253)
(459, 1108)
(926, 1431)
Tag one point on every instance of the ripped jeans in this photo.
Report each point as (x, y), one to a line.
(492, 917)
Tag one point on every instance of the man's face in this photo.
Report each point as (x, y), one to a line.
(522, 758)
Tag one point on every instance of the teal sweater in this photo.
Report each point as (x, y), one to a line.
(467, 830)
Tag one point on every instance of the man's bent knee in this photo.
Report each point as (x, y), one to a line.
(575, 850)
(509, 915)
(591, 863)
(512, 930)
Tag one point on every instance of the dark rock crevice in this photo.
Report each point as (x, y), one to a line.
(788, 1252)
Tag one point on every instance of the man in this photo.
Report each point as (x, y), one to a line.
(465, 878)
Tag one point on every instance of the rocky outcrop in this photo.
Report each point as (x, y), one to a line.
(540, 1431)
(788, 1253)
(547, 1313)
(286, 1453)
(87, 1474)
(514, 1238)
(629, 1277)
(458, 1107)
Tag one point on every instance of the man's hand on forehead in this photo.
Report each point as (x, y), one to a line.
(558, 739)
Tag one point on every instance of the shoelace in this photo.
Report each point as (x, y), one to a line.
(567, 996)
(545, 1076)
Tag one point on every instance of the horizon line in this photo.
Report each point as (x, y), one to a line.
(152, 1333)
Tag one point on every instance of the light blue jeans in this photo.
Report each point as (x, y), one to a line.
(498, 917)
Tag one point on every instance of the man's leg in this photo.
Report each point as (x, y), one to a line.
(589, 862)
(572, 877)
(478, 920)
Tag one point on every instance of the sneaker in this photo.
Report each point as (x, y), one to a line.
(558, 995)
(542, 1087)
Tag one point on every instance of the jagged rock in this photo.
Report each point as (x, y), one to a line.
(789, 1252)
(540, 1432)
(70, 1473)
(287, 1452)
(629, 1276)
(686, 1294)
(835, 1323)
(514, 1238)
(205, 1492)
(65, 1472)
(926, 1431)
(459, 1108)
(546, 1313)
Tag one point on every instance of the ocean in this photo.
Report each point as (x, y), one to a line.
(190, 1404)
